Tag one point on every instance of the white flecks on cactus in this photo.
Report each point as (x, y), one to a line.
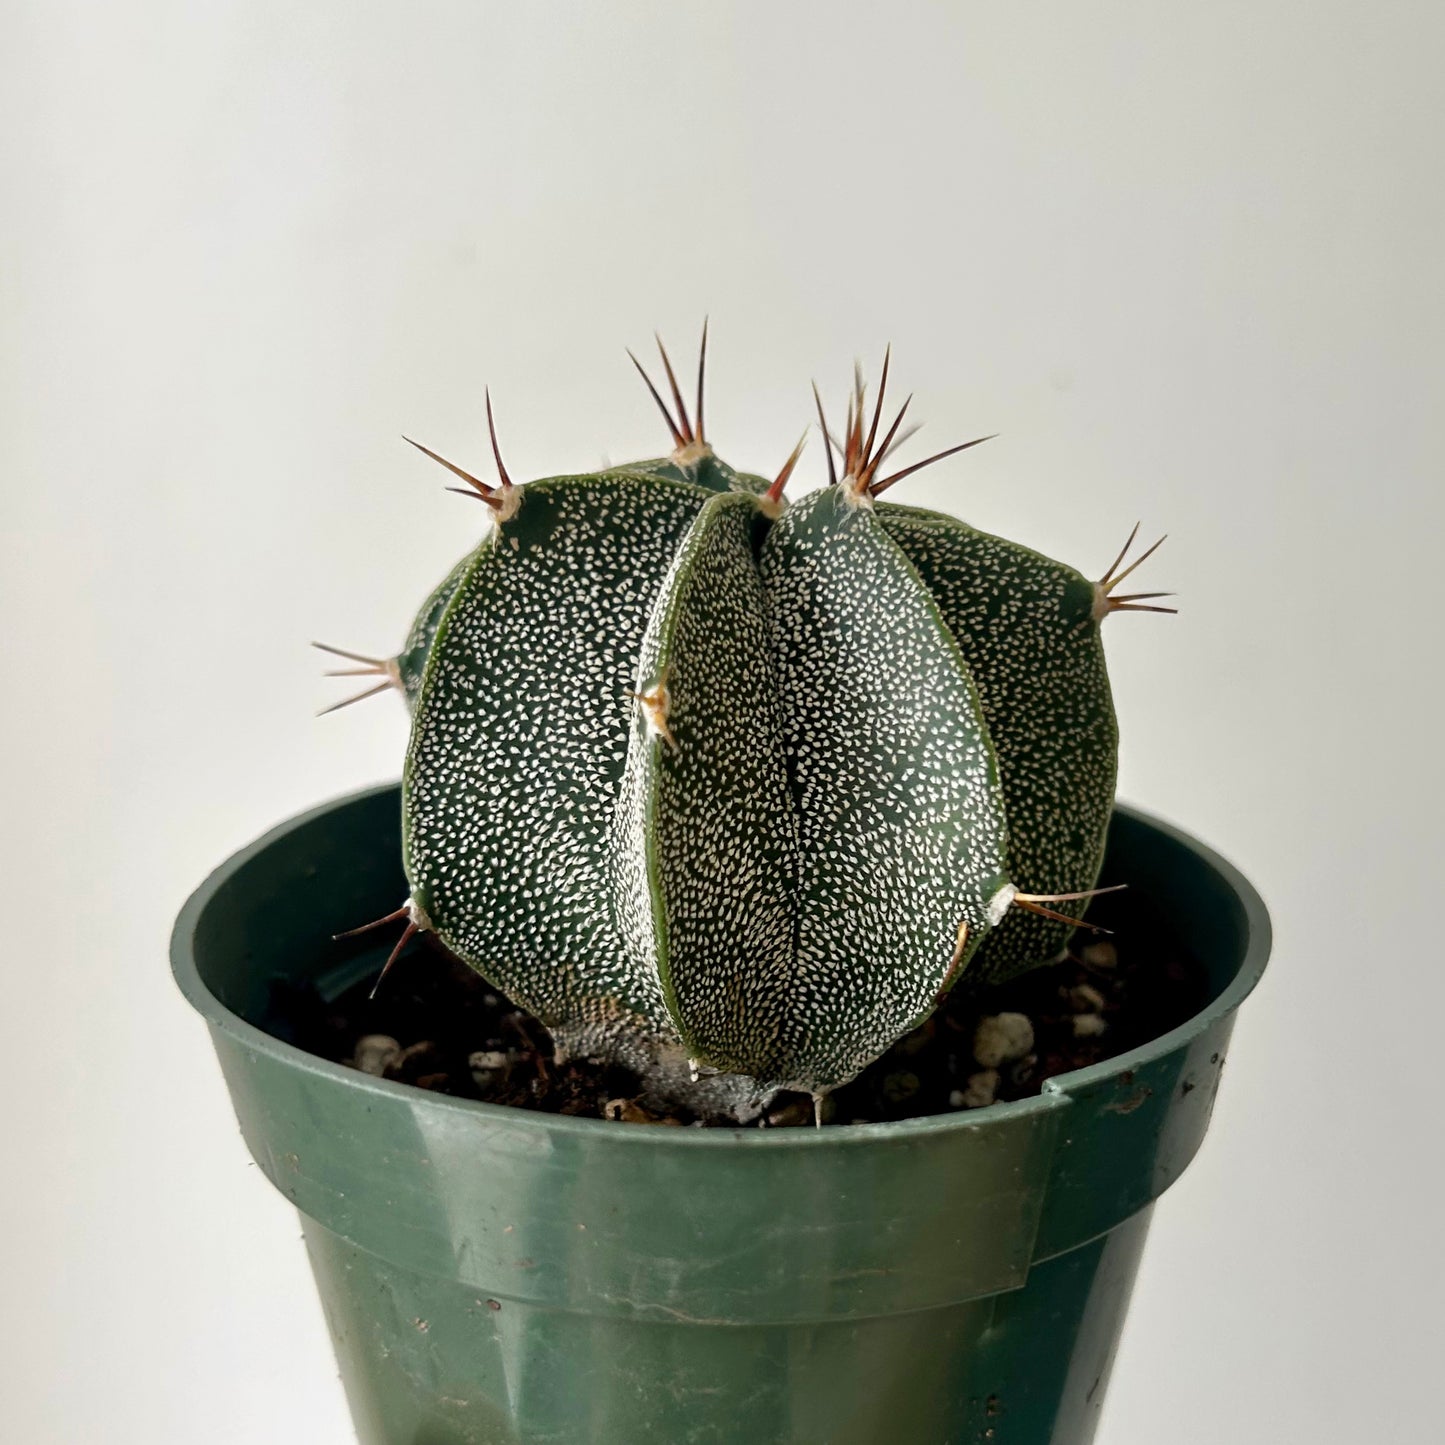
(732, 791)
(901, 821)
(1025, 624)
(518, 745)
(412, 658)
(709, 809)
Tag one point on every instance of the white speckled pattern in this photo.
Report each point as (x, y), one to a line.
(707, 838)
(519, 740)
(689, 786)
(411, 660)
(1025, 625)
(901, 819)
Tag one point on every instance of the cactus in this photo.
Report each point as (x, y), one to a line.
(733, 790)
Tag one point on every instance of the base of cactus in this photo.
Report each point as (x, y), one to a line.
(436, 1024)
(493, 1274)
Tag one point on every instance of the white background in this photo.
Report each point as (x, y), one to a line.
(1185, 258)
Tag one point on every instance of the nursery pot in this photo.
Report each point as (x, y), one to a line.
(494, 1276)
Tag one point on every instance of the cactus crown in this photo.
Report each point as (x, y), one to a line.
(733, 790)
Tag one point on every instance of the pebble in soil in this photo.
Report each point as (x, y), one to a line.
(436, 1025)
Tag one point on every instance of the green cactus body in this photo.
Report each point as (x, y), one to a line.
(678, 777)
(701, 466)
(705, 834)
(518, 745)
(411, 660)
(902, 828)
(1028, 628)
(733, 792)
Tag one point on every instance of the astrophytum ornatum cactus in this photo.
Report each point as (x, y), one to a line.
(734, 790)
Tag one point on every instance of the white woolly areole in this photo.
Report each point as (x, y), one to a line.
(656, 704)
(855, 493)
(690, 454)
(1000, 904)
(506, 508)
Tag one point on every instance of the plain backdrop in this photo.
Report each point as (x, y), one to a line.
(1186, 259)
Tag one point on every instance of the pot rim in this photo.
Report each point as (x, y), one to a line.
(188, 978)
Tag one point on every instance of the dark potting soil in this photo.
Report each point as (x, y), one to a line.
(436, 1025)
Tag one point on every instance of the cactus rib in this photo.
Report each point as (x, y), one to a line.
(519, 740)
(705, 832)
(901, 819)
(1025, 624)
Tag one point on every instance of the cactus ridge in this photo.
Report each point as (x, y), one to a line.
(706, 833)
(411, 660)
(732, 789)
(1025, 625)
(519, 740)
(901, 820)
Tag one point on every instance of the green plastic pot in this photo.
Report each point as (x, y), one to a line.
(501, 1277)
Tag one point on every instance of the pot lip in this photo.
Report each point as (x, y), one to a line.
(1055, 1090)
